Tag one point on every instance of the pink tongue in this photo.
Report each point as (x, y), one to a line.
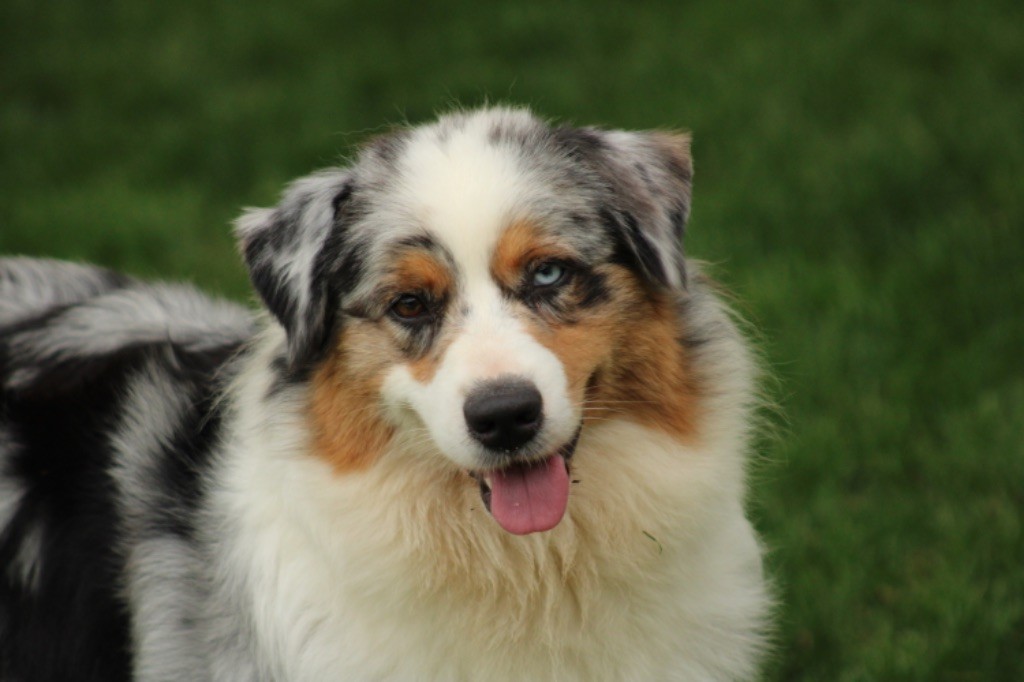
(529, 499)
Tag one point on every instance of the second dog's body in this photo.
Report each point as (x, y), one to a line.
(497, 432)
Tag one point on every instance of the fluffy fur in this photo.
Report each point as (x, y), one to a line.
(187, 493)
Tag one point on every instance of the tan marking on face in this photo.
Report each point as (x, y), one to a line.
(522, 243)
(349, 431)
(420, 271)
(582, 347)
(651, 377)
(623, 358)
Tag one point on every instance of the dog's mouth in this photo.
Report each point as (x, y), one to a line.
(529, 497)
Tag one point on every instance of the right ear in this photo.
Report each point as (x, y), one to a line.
(289, 250)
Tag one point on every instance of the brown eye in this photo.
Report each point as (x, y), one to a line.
(409, 308)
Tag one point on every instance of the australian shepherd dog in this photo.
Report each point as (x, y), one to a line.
(492, 427)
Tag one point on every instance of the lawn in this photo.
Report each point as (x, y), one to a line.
(860, 186)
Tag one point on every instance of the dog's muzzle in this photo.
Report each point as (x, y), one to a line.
(504, 415)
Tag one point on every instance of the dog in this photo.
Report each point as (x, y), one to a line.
(492, 425)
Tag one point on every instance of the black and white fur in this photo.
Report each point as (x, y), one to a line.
(162, 516)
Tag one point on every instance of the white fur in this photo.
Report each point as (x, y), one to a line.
(653, 574)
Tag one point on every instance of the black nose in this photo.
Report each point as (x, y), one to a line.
(504, 414)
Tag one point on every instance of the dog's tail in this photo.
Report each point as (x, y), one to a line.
(32, 287)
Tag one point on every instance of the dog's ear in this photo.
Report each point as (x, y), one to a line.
(645, 181)
(294, 253)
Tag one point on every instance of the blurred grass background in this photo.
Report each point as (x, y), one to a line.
(859, 185)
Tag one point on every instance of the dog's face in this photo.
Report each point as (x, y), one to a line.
(484, 281)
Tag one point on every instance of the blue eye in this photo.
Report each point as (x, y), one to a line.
(548, 274)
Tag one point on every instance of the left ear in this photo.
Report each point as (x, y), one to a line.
(647, 180)
(296, 259)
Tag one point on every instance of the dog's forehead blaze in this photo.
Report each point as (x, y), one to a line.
(349, 431)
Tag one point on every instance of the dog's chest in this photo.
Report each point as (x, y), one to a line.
(407, 625)
(378, 593)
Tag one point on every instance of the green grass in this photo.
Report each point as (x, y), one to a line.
(859, 185)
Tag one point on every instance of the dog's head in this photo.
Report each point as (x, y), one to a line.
(489, 278)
